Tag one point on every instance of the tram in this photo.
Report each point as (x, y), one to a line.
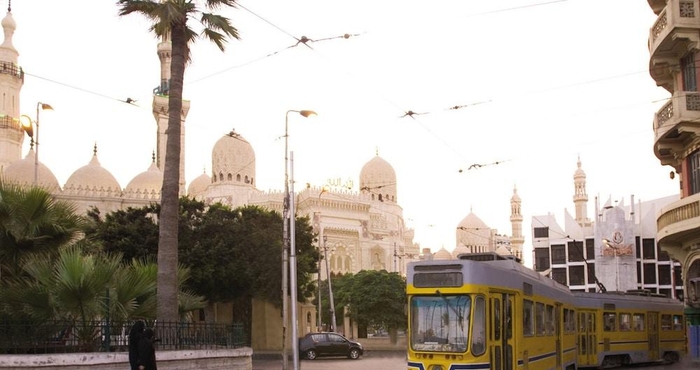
(486, 311)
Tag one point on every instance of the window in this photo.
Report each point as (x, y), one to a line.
(590, 267)
(229, 177)
(542, 232)
(558, 254)
(541, 259)
(649, 273)
(559, 275)
(609, 321)
(625, 322)
(664, 275)
(694, 173)
(649, 249)
(549, 320)
(539, 318)
(688, 72)
(638, 321)
(666, 322)
(576, 275)
(479, 327)
(677, 323)
(238, 177)
(663, 255)
(575, 251)
(590, 249)
(528, 318)
(637, 245)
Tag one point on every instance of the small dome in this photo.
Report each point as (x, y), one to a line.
(233, 160)
(147, 182)
(378, 178)
(93, 177)
(442, 254)
(22, 172)
(9, 22)
(579, 172)
(198, 185)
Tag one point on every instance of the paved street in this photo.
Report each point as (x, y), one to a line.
(379, 360)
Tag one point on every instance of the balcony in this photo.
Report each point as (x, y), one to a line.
(676, 124)
(672, 35)
(678, 223)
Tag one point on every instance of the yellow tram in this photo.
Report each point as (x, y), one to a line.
(485, 311)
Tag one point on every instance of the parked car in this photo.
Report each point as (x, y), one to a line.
(314, 345)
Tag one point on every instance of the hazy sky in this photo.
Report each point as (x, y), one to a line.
(539, 83)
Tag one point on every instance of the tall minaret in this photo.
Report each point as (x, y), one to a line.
(160, 110)
(11, 81)
(516, 220)
(580, 196)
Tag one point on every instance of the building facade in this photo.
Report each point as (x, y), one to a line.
(616, 251)
(674, 41)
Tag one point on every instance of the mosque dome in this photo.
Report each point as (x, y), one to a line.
(442, 254)
(474, 233)
(22, 172)
(233, 160)
(93, 177)
(147, 184)
(378, 178)
(459, 249)
(9, 22)
(198, 185)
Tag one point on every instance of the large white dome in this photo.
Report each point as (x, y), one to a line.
(378, 178)
(147, 184)
(198, 185)
(21, 172)
(93, 177)
(233, 160)
(473, 233)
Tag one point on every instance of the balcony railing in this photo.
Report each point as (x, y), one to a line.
(682, 109)
(679, 17)
(679, 218)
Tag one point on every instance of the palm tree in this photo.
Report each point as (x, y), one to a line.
(170, 17)
(33, 221)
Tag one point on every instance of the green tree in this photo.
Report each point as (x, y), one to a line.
(376, 299)
(32, 221)
(133, 232)
(170, 18)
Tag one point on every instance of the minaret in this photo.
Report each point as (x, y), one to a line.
(160, 110)
(516, 220)
(11, 81)
(580, 196)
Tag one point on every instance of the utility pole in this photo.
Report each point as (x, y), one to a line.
(330, 289)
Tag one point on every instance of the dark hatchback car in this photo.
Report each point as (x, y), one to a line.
(328, 344)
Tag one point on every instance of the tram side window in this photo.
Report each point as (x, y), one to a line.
(569, 320)
(609, 321)
(539, 315)
(677, 322)
(638, 320)
(549, 320)
(665, 322)
(625, 322)
(479, 327)
(528, 318)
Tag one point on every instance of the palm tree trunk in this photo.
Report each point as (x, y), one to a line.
(167, 294)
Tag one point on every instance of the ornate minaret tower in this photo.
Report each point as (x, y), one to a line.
(516, 220)
(11, 81)
(160, 110)
(580, 196)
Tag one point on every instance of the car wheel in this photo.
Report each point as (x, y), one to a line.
(354, 354)
(311, 354)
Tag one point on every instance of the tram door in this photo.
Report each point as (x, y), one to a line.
(653, 330)
(587, 341)
(501, 328)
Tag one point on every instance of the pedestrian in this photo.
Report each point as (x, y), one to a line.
(147, 351)
(135, 335)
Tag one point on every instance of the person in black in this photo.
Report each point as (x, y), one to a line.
(135, 335)
(147, 351)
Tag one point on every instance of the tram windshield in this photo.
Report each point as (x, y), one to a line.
(440, 323)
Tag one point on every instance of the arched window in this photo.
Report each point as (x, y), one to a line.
(221, 176)
(246, 180)
(229, 177)
(238, 177)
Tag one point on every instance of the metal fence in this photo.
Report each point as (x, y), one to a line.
(100, 336)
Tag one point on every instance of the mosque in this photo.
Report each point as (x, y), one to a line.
(358, 230)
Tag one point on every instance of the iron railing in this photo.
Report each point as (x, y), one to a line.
(99, 336)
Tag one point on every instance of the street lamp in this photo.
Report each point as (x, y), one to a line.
(287, 241)
(330, 288)
(27, 125)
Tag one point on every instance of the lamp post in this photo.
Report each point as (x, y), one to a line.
(319, 325)
(285, 236)
(27, 123)
(330, 287)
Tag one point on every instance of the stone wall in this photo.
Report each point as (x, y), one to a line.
(231, 359)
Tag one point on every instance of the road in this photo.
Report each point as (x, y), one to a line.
(397, 361)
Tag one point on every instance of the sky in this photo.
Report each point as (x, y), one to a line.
(537, 84)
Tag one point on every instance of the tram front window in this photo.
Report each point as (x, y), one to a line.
(440, 323)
